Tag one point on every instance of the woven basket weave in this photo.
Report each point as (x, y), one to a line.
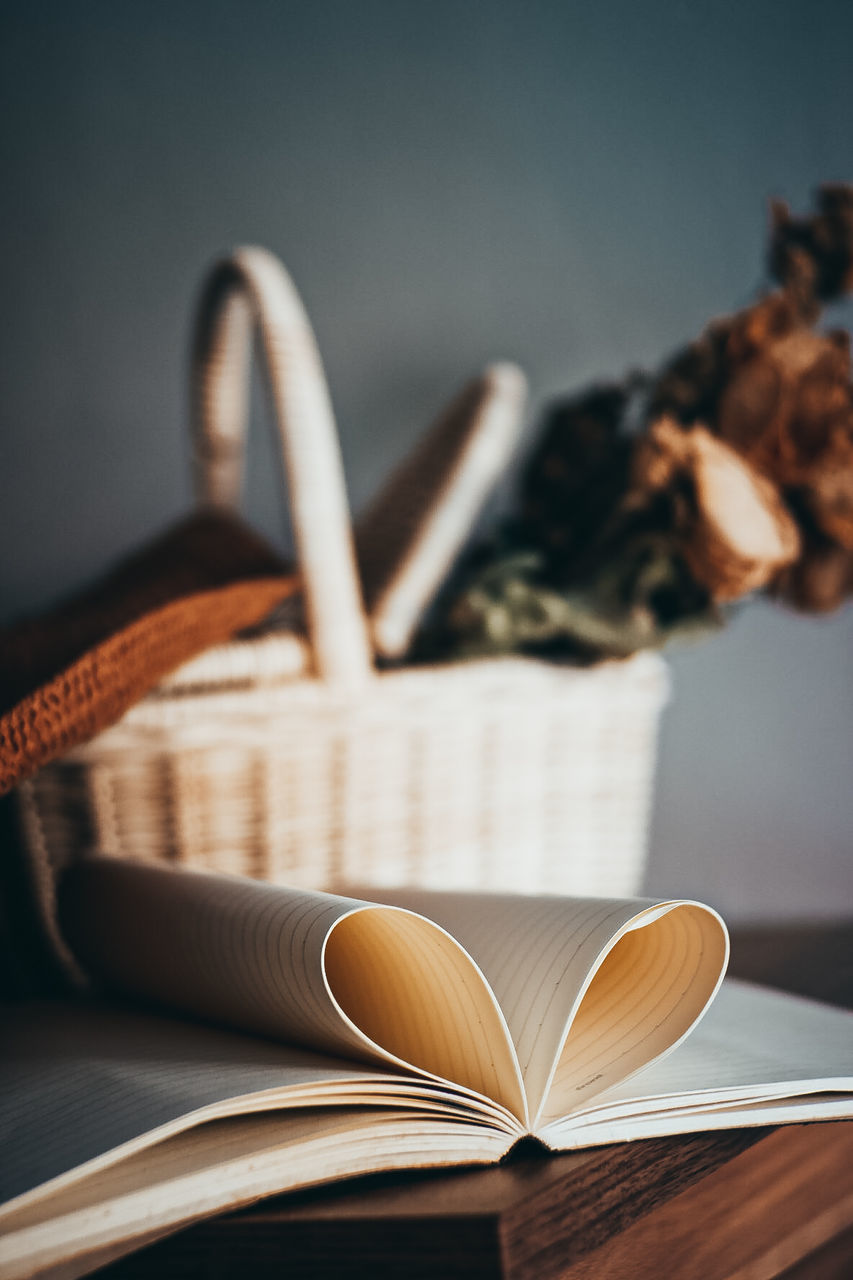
(290, 756)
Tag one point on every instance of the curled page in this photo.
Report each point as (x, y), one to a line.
(377, 983)
(592, 989)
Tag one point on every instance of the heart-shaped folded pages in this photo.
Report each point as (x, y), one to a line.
(534, 1003)
(592, 989)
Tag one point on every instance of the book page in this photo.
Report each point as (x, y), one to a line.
(759, 1056)
(223, 1165)
(333, 973)
(78, 1080)
(647, 994)
(592, 989)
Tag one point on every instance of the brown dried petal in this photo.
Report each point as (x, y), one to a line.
(814, 254)
(659, 456)
(757, 327)
(750, 405)
(819, 580)
(744, 533)
(783, 407)
(691, 385)
(828, 492)
(821, 413)
(737, 533)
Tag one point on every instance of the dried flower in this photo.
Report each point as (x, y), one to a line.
(650, 501)
(731, 525)
(576, 476)
(814, 255)
(786, 406)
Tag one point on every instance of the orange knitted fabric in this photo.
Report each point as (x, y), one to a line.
(76, 670)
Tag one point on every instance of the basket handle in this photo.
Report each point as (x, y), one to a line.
(251, 290)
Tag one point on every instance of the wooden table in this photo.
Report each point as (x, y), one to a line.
(745, 1204)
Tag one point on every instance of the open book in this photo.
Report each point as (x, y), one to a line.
(327, 1037)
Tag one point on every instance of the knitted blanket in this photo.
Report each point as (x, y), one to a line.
(73, 671)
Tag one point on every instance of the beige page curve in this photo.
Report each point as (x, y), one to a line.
(337, 974)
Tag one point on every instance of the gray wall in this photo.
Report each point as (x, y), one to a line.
(575, 186)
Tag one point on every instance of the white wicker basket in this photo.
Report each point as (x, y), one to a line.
(290, 756)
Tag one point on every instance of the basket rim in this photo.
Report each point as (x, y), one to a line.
(253, 711)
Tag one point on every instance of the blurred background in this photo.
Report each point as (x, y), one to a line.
(576, 187)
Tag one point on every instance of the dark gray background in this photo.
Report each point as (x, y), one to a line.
(578, 187)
